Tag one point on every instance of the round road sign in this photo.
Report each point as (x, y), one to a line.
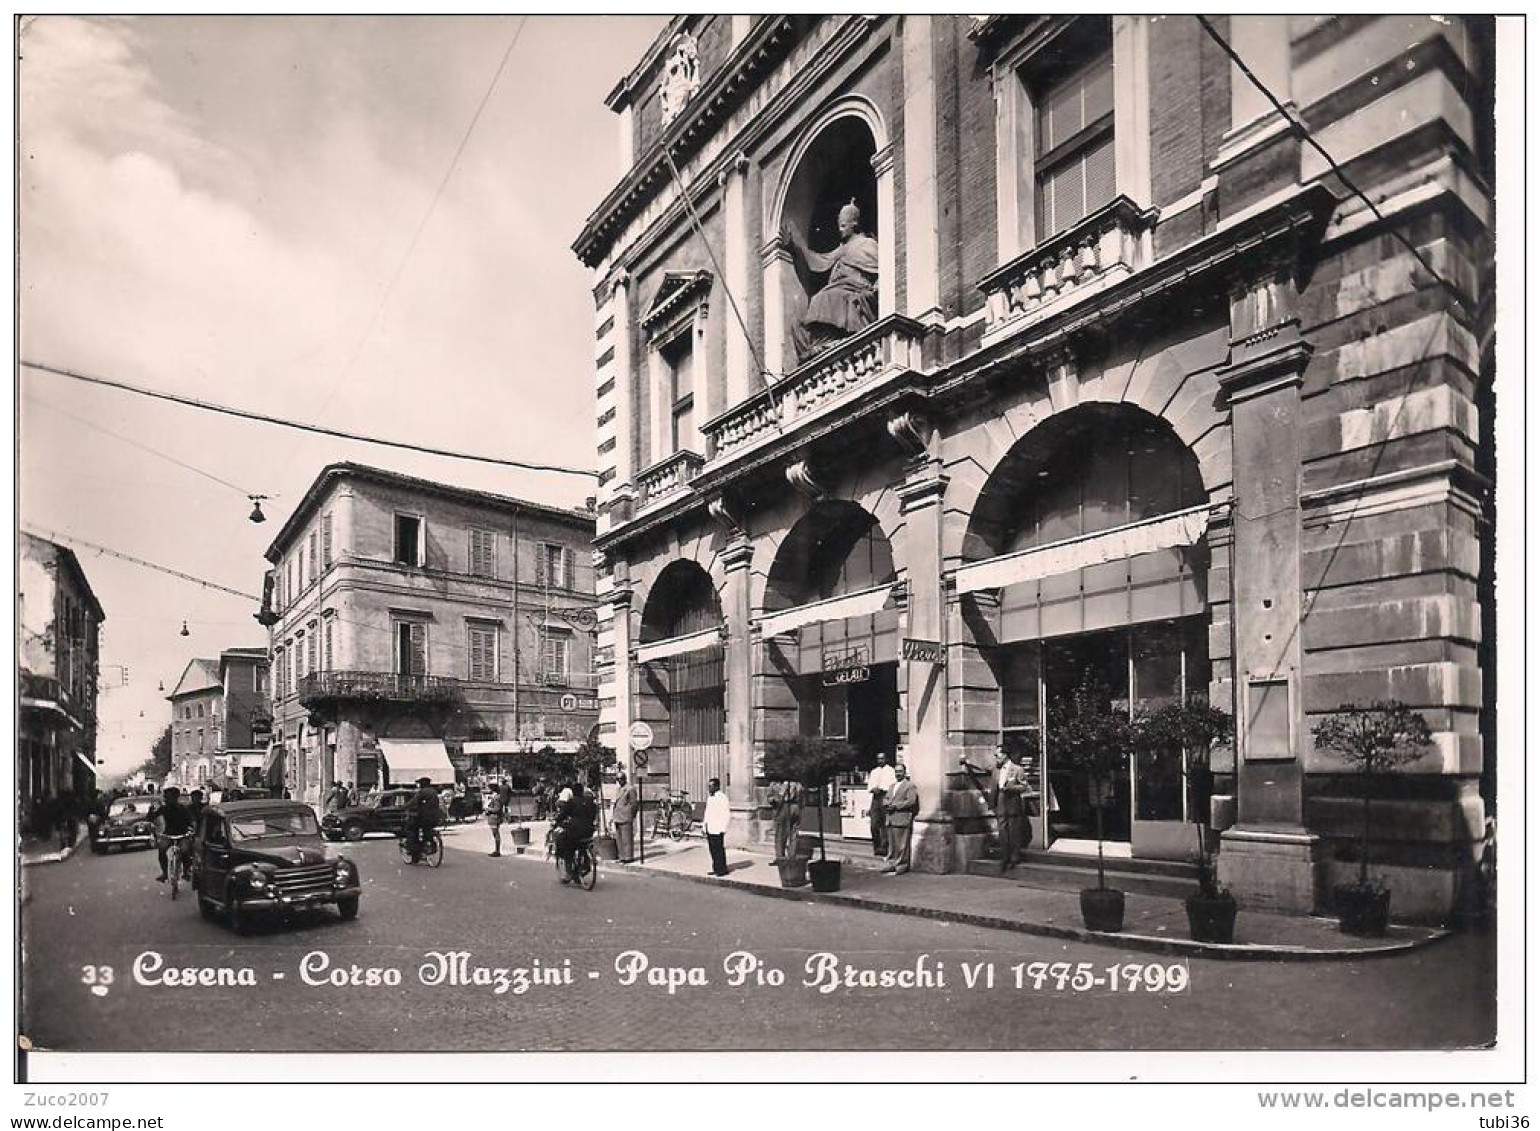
(640, 735)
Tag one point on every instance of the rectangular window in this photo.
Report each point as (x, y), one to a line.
(326, 540)
(555, 647)
(408, 540)
(314, 573)
(553, 566)
(411, 648)
(328, 649)
(679, 364)
(289, 579)
(310, 652)
(261, 681)
(1075, 174)
(481, 643)
(483, 553)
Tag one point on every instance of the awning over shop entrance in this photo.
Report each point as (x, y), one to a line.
(860, 604)
(86, 762)
(413, 758)
(1179, 528)
(679, 645)
(530, 747)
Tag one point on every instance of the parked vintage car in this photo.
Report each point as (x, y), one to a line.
(128, 823)
(382, 812)
(256, 857)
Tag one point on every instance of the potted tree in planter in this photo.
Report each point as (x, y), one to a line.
(1091, 739)
(1372, 740)
(814, 762)
(1192, 729)
(588, 764)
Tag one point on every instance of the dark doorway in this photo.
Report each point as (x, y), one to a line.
(1101, 661)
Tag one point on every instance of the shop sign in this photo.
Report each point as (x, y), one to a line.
(852, 665)
(922, 651)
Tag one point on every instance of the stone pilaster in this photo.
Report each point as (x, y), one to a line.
(923, 683)
(740, 377)
(736, 559)
(1267, 858)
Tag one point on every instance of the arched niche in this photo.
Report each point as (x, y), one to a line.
(843, 156)
(683, 696)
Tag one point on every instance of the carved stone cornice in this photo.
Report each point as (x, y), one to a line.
(1264, 373)
(727, 510)
(737, 165)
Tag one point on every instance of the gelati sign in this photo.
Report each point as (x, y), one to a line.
(848, 665)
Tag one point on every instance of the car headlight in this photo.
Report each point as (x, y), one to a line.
(141, 828)
(259, 879)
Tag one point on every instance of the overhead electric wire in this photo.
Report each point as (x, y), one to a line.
(39, 532)
(147, 448)
(299, 425)
(422, 224)
(1302, 131)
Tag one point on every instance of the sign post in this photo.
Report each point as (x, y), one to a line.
(640, 738)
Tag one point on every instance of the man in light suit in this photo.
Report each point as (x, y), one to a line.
(902, 803)
(623, 817)
(1011, 790)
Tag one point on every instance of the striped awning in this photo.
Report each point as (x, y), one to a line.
(1179, 528)
(861, 604)
(86, 762)
(678, 645)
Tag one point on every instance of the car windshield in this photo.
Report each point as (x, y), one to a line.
(127, 808)
(273, 824)
(370, 799)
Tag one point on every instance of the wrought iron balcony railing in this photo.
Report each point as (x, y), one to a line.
(862, 361)
(1111, 242)
(321, 687)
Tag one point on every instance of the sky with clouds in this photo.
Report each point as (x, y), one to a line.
(226, 207)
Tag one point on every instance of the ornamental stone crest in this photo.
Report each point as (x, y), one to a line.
(681, 77)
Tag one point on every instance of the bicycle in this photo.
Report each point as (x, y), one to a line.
(672, 816)
(431, 851)
(178, 861)
(583, 867)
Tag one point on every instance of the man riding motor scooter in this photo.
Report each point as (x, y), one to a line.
(423, 812)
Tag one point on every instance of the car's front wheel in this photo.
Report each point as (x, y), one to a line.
(206, 908)
(353, 830)
(348, 908)
(240, 918)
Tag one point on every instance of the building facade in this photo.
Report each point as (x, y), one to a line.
(59, 641)
(220, 721)
(421, 628)
(947, 364)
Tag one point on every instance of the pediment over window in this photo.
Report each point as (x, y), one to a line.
(681, 295)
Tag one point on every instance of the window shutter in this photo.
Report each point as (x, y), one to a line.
(326, 540)
(328, 658)
(543, 565)
(566, 569)
(419, 649)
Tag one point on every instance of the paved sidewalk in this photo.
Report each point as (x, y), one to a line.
(1151, 923)
(39, 851)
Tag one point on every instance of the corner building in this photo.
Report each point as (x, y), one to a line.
(1143, 391)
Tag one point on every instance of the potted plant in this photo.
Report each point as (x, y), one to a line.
(1093, 740)
(814, 762)
(1186, 733)
(1373, 741)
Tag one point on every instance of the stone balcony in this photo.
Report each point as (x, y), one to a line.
(1110, 243)
(668, 476)
(860, 363)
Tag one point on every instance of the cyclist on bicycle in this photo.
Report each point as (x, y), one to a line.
(422, 815)
(173, 821)
(575, 819)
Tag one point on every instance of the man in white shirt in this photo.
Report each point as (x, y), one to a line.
(719, 815)
(878, 783)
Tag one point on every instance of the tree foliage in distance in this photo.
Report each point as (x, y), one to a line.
(1373, 741)
(157, 767)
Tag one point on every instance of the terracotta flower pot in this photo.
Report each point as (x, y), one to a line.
(1211, 918)
(1363, 911)
(1102, 909)
(793, 871)
(824, 875)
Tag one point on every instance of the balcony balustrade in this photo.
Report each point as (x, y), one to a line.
(1112, 242)
(320, 688)
(861, 362)
(667, 477)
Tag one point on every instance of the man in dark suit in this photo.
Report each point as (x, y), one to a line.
(1011, 789)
